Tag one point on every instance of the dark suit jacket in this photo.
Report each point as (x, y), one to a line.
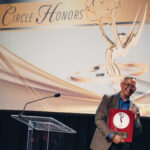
(100, 140)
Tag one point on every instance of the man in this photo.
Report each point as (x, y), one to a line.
(104, 138)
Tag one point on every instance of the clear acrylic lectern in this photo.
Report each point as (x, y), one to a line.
(46, 125)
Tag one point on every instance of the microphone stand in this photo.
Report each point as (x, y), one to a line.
(56, 95)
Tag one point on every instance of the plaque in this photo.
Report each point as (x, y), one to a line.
(122, 123)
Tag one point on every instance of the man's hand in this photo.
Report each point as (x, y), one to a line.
(134, 111)
(117, 139)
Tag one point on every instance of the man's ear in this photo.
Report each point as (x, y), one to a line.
(135, 89)
(121, 84)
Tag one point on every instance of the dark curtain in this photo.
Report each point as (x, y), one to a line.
(13, 134)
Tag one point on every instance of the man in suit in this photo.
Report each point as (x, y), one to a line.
(104, 138)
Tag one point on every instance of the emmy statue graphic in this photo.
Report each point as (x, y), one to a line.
(104, 13)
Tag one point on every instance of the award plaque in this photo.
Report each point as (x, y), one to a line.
(122, 123)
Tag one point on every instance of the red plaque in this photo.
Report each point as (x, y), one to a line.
(122, 123)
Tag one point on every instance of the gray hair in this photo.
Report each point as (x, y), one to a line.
(129, 77)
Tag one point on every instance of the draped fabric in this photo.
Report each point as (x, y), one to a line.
(21, 82)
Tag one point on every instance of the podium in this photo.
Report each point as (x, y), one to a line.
(42, 126)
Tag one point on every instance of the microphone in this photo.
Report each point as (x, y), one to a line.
(55, 95)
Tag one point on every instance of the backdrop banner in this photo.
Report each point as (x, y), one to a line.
(79, 48)
(54, 13)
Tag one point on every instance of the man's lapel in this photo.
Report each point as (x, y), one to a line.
(116, 101)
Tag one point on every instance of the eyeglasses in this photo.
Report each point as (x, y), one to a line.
(130, 85)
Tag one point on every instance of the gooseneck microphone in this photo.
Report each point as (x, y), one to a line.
(55, 95)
